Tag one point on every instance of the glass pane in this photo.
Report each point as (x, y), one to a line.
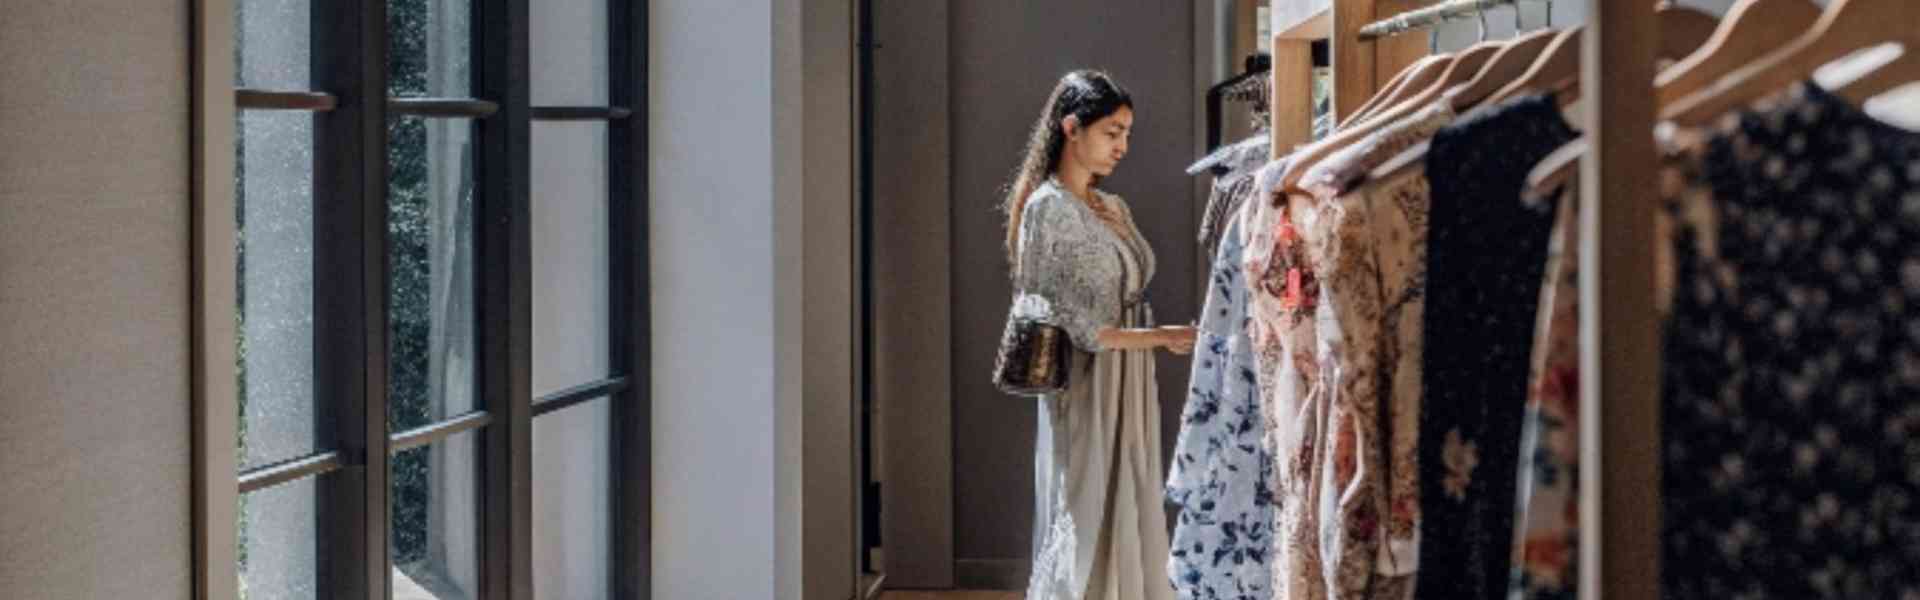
(274, 206)
(272, 44)
(572, 502)
(279, 541)
(436, 520)
(569, 43)
(430, 285)
(429, 48)
(570, 314)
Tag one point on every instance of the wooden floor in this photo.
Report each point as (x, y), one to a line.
(955, 595)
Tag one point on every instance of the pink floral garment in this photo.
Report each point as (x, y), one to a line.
(1372, 245)
(1345, 276)
(1548, 540)
(1285, 294)
(1374, 239)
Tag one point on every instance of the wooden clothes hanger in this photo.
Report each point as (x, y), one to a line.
(1466, 64)
(1846, 26)
(1507, 66)
(1558, 71)
(1683, 30)
(1541, 61)
(1559, 65)
(1392, 85)
(1556, 170)
(1902, 70)
(1508, 60)
(1752, 28)
(1417, 76)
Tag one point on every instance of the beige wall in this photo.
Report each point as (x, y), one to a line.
(828, 301)
(750, 185)
(814, 300)
(912, 323)
(94, 464)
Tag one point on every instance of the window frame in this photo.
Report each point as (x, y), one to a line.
(350, 176)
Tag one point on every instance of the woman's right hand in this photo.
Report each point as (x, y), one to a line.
(1178, 339)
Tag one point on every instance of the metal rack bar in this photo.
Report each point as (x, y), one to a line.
(1428, 17)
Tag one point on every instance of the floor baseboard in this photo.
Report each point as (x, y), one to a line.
(991, 573)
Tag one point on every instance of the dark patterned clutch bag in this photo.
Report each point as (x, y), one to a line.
(1034, 358)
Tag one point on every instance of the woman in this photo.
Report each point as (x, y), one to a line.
(1080, 263)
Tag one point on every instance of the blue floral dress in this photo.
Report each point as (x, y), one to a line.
(1221, 470)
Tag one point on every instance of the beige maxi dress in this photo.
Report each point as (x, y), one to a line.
(1100, 530)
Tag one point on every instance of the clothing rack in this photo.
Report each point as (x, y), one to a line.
(1360, 67)
(1430, 16)
(1619, 331)
(1258, 68)
(1620, 452)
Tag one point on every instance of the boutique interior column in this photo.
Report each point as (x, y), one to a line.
(1620, 445)
(1394, 54)
(1353, 60)
(1292, 103)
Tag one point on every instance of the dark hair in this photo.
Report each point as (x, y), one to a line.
(1087, 95)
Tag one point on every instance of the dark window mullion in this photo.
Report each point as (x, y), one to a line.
(632, 465)
(578, 394)
(580, 113)
(431, 433)
(349, 57)
(444, 108)
(503, 252)
(260, 478)
(256, 99)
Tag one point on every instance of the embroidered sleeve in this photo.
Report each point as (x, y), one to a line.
(1061, 278)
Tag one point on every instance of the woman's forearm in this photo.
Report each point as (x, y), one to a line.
(1124, 338)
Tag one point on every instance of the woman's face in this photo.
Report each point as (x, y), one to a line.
(1100, 146)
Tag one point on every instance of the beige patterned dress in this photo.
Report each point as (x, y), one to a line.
(1345, 277)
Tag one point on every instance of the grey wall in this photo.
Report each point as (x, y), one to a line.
(751, 207)
(828, 547)
(1007, 54)
(94, 201)
(711, 190)
(912, 321)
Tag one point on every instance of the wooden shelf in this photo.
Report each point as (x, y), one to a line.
(1302, 19)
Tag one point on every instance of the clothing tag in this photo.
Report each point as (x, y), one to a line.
(1291, 300)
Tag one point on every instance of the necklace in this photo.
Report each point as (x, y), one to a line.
(1101, 210)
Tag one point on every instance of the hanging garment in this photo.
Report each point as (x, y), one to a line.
(1547, 541)
(1371, 242)
(1281, 305)
(1485, 255)
(1791, 435)
(1221, 468)
(1099, 529)
(1341, 171)
(1231, 189)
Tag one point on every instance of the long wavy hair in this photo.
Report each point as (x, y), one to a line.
(1087, 95)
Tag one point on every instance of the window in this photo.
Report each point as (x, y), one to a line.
(440, 325)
